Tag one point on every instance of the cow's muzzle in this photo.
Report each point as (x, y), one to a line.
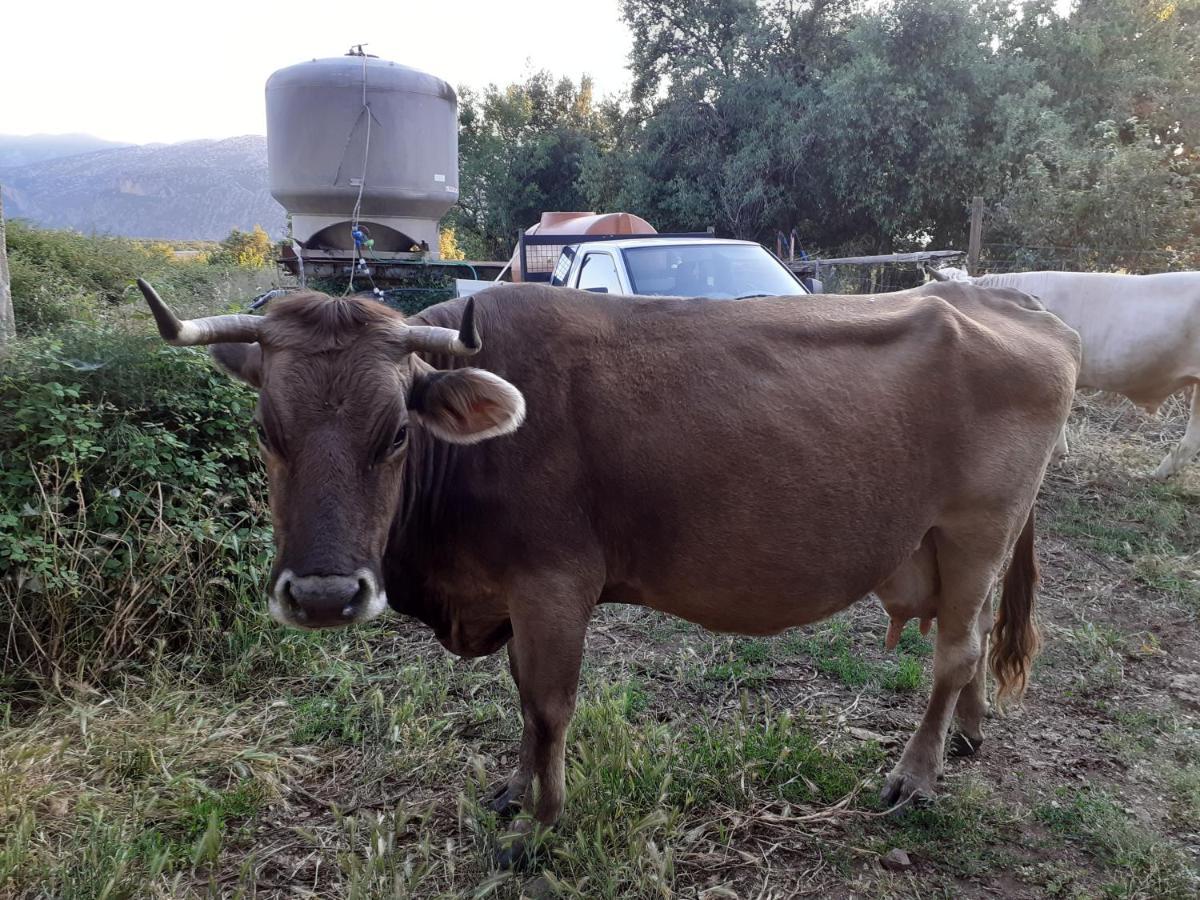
(326, 601)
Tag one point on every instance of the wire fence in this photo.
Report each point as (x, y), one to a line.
(880, 278)
(885, 277)
(1024, 258)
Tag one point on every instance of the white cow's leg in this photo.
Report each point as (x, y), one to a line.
(1060, 447)
(1181, 454)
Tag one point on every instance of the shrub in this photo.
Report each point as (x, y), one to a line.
(249, 249)
(103, 267)
(131, 503)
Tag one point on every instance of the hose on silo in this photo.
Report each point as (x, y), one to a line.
(362, 183)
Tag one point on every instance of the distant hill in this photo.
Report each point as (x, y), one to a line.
(23, 149)
(198, 190)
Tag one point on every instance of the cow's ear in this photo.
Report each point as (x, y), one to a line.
(464, 406)
(242, 361)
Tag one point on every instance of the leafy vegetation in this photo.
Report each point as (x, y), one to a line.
(1078, 127)
(63, 277)
(132, 501)
(1143, 866)
(132, 518)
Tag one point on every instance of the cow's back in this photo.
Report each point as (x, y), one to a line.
(1140, 333)
(703, 452)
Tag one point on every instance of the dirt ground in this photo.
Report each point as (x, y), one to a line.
(700, 765)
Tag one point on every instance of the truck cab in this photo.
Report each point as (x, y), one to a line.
(714, 268)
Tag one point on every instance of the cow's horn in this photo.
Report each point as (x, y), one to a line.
(937, 274)
(233, 329)
(432, 339)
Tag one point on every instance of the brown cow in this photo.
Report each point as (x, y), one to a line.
(748, 466)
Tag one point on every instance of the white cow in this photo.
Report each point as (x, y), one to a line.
(1141, 335)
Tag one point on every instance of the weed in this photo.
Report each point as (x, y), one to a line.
(960, 829)
(833, 652)
(1144, 865)
(1175, 577)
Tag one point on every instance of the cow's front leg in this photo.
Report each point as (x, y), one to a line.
(1183, 452)
(510, 796)
(547, 646)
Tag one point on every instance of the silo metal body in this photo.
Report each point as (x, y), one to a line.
(360, 131)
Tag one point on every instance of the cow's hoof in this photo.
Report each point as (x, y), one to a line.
(903, 791)
(961, 745)
(505, 803)
(514, 851)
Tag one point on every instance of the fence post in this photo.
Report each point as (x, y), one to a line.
(976, 239)
(8, 324)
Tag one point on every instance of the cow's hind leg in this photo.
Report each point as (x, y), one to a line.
(966, 577)
(547, 645)
(972, 704)
(1183, 452)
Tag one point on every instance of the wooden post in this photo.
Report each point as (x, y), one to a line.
(8, 324)
(792, 246)
(976, 239)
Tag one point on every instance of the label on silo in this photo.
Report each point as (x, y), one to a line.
(439, 177)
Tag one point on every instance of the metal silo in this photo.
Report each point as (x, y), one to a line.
(359, 139)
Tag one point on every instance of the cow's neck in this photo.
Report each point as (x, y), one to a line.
(427, 563)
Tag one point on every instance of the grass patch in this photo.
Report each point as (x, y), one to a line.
(1137, 731)
(964, 830)
(1184, 795)
(833, 651)
(639, 794)
(1141, 864)
(1171, 576)
(1131, 519)
(118, 795)
(748, 664)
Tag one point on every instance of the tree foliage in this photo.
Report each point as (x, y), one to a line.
(250, 249)
(863, 126)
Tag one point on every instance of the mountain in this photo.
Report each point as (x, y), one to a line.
(198, 190)
(23, 149)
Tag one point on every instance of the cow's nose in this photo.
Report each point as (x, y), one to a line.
(324, 601)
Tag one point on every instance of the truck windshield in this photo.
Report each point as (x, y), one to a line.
(718, 271)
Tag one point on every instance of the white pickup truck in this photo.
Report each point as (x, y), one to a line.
(714, 268)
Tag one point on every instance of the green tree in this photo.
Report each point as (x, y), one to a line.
(250, 249)
(521, 152)
(866, 126)
(1100, 205)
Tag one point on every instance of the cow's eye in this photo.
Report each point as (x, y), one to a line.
(401, 437)
(261, 432)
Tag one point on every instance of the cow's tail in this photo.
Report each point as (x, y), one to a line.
(1015, 637)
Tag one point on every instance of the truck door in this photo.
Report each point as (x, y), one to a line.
(598, 273)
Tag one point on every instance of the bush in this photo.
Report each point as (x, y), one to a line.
(248, 249)
(131, 504)
(103, 267)
(61, 277)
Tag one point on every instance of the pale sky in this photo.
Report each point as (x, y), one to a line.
(138, 71)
